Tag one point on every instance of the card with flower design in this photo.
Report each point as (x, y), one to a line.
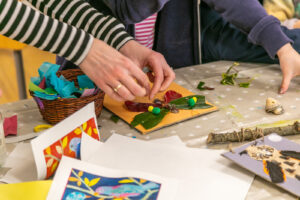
(64, 139)
(76, 179)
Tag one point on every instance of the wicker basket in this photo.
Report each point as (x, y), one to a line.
(54, 111)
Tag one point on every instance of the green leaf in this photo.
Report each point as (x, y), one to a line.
(114, 118)
(139, 118)
(228, 79)
(183, 100)
(182, 103)
(197, 106)
(149, 120)
(200, 85)
(244, 85)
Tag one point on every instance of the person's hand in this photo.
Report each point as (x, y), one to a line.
(144, 57)
(290, 65)
(0, 92)
(114, 73)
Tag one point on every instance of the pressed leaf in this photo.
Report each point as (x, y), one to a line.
(155, 119)
(126, 181)
(54, 166)
(139, 118)
(171, 95)
(114, 118)
(94, 182)
(139, 107)
(59, 149)
(182, 103)
(77, 131)
(86, 181)
(80, 173)
(183, 100)
(48, 150)
(197, 106)
(73, 179)
(149, 120)
(50, 162)
(84, 125)
(65, 142)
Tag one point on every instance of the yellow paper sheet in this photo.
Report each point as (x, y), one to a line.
(119, 109)
(37, 190)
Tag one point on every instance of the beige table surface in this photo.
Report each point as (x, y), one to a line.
(239, 107)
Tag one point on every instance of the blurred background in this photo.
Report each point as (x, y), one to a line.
(18, 63)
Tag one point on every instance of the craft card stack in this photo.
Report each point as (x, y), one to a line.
(127, 167)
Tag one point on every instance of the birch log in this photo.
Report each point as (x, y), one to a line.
(252, 134)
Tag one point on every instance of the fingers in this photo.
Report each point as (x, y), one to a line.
(169, 76)
(134, 88)
(285, 83)
(159, 77)
(142, 79)
(109, 91)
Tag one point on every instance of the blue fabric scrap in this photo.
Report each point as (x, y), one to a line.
(85, 82)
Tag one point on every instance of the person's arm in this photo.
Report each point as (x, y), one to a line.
(82, 15)
(22, 23)
(250, 17)
(134, 11)
(103, 64)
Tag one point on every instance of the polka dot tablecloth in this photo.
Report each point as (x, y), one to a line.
(238, 107)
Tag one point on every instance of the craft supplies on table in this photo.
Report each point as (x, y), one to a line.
(58, 94)
(273, 158)
(36, 190)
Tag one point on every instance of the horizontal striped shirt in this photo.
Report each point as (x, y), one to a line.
(145, 31)
(67, 30)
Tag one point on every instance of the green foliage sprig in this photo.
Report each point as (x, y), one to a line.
(229, 78)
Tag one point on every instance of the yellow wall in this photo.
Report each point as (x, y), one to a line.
(32, 59)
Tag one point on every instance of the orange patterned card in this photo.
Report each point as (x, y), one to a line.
(64, 139)
(119, 109)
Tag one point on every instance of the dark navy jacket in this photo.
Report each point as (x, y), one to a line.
(177, 27)
(177, 35)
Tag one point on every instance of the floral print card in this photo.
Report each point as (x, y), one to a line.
(78, 180)
(273, 158)
(64, 139)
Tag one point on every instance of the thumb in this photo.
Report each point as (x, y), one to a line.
(285, 83)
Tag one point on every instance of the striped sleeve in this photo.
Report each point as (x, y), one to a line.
(22, 23)
(82, 15)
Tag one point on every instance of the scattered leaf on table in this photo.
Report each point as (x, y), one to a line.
(244, 85)
(201, 86)
(114, 118)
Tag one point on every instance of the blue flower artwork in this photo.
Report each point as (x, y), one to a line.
(82, 185)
